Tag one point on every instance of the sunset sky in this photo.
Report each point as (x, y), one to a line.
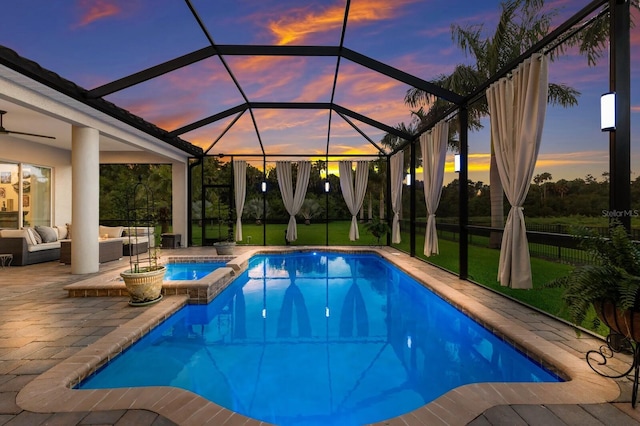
(95, 42)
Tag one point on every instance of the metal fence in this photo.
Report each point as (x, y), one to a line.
(551, 242)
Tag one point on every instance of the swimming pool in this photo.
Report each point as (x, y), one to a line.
(190, 270)
(371, 344)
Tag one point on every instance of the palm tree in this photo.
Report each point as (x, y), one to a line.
(254, 209)
(522, 23)
(540, 180)
(562, 187)
(310, 209)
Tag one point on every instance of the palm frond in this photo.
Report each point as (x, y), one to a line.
(563, 95)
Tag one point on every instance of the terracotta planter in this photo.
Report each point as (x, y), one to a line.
(626, 322)
(144, 287)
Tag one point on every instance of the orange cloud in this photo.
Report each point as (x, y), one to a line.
(94, 10)
(297, 25)
(286, 79)
(317, 90)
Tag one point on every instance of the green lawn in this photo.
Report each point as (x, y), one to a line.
(483, 269)
(313, 234)
(483, 262)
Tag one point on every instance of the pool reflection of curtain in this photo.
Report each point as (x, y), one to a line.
(293, 298)
(240, 323)
(353, 306)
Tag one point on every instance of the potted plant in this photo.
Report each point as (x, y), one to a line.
(145, 275)
(610, 283)
(226, 247)
(310, 209)
(377, 228)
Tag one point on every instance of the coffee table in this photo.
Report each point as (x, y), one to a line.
(108, 250)
(131, 249)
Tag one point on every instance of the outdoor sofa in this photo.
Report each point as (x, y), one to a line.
(42, 243)
(27, 246)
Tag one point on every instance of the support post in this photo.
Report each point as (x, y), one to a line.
(85, 199)
(412, 202)
(620, 138)
(463, 178)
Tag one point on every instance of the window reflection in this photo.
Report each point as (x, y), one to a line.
(25, 195)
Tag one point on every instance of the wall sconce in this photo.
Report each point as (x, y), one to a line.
(327, 186)
(263, 186)
(408, 179)
(608, 111)
(456, 163)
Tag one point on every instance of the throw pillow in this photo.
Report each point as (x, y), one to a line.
(62, 232)
(48, 234)
(33, 237)
(111, 231)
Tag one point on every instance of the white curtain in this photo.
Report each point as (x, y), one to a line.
(434, 149)
(517, 106)
(397, 172)
(293, 201)
(240, 185)
(354, 196)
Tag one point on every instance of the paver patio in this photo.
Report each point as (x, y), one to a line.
(41, 328)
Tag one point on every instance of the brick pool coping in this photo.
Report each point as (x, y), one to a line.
(52, 391)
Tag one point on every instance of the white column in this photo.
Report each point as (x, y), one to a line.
(85, 198)
(179, 191)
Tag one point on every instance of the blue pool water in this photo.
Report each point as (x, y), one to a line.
(319, 339)
(190, 271)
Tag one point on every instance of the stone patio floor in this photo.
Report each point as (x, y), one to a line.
(42, 329)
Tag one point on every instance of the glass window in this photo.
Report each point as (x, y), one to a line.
(26, 189)
(9, 195)
(36, 195)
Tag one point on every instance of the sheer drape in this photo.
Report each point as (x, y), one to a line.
(354, 196)
(240, 185)
(397, 170)
(517, 107)
(434, 149)
(293, 202)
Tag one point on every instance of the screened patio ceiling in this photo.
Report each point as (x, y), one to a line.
(315, 78)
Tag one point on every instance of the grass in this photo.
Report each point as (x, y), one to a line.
(483, 269)
(313, 234)
(483, 262)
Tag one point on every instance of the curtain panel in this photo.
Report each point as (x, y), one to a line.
(517, 108)
(397, 172)
(354, 196)
(434, 150)
(240, 186)
(293, 200)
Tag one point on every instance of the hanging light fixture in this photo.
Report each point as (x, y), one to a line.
(608, 112)
(263, 186)
(456, 163)
(408, 179)
(327, 186)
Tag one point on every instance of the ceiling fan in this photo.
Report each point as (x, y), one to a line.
(4, 131)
